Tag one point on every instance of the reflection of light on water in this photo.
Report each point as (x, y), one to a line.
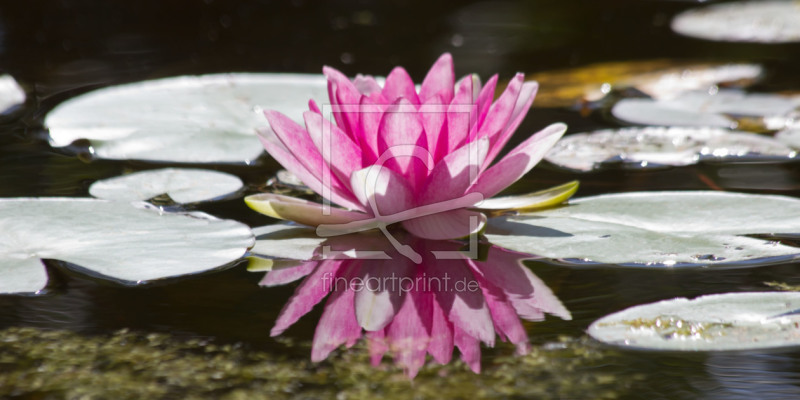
(750, 376)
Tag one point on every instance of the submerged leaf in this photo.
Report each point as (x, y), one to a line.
(656, 229)
(190, 119)
(730, 321)
(182, 185)
(659, 146)
(111, 239)
(656, 78)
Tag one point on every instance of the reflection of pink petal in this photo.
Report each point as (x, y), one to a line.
(463, 306)
(376, 303)
(470, 350)
(441, 344)
(409, 333)
(313, 289)
(283, 276)
(376, 343)
(506, 321)
(337, 326)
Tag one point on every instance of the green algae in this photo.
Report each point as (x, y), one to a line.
(127, 365)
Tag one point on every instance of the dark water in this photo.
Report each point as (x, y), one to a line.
(58, 49)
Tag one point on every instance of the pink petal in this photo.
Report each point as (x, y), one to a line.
(470, 350)
(485, 98)
(500, 112)
(283, 276)
(377, 302)
(288, 160)
(336, 148)
(440, 80)
(433, 114)
(310, 292)
(399, 85)
(518, 162)
(337, 325)
(401, 129)
(342, 93)
(441, 344)
(366, 85)
(371, 115)
(446, 225)
(461, 116)
(312, 105)
(383, 189)
(453, 175)
(524, 102)
(462, 299)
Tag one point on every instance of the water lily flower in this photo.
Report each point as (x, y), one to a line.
(394, 154)
(413, 310)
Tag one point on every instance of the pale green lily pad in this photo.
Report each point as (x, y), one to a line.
(705, 109)
(730, 321)
(189, 119)
(745, 21)
(11, 94)
(650, 147)
(790, 136)
(656, 229)
(181, 184)
(114, 240)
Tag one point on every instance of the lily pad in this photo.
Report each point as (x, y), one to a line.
(659, 146)
(705, 109)
(111, 239)
(182, 185)
(656, 229)
(745, 21)
(11, 94)
(189, 119)
(790, 137)
(730, 321)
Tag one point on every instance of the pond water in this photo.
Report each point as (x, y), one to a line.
(207, 336)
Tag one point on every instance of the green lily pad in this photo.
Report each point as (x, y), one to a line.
(114, 240)
(651, 147)
(188, 119)
(656, 229)
(182, 185)
(730, 321)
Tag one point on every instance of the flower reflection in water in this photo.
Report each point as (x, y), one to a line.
(451, 299)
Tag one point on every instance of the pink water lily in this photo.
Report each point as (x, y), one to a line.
(422, 158)
(412, 311)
